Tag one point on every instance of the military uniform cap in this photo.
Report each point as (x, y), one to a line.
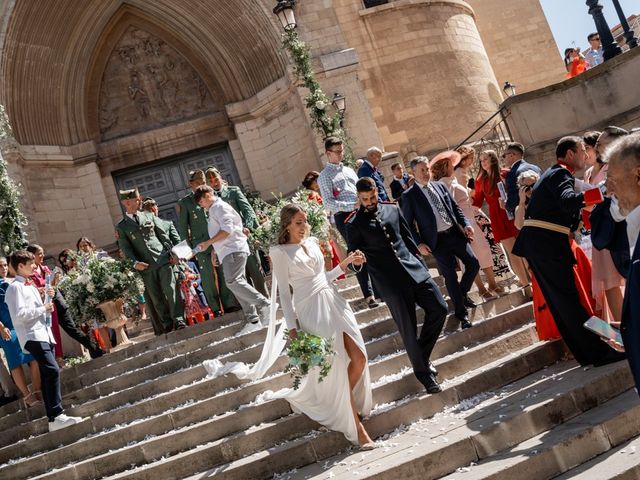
(196, 175)
(129, 194)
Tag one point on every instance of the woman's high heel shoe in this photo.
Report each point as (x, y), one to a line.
(32, 400)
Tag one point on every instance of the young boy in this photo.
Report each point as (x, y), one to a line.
(29, 316)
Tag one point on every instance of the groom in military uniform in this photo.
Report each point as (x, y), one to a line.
(233, 196)
(146, 240)
(192, 226)
(399, 274)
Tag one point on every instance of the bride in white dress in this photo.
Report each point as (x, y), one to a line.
(317, 308)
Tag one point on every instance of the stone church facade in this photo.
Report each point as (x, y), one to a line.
(108, 94)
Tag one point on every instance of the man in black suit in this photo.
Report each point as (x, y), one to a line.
(552, 213)
(401, 181)
(623, 181)
(514, 158)
(400, 275)
(439, 227)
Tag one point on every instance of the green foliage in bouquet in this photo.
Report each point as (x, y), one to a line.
(267, 233)
(95, 280)
(305, 352)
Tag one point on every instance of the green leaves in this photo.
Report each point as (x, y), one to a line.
(305, 352)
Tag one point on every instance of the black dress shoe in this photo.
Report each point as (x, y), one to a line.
(431, 384)
(217, 313)
(433, 369)
(469, 303)
(180, 325)
(609, 357)
(372, 303)
(464, 324)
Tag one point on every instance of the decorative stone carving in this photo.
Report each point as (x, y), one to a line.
(148, 84)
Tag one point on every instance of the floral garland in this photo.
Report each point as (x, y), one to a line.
(266, 234)
(12, 220)
(316, 101)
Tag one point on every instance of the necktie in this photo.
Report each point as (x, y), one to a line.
(437, 202)
(135, 218)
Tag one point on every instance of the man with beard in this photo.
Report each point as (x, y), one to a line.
(379, 230)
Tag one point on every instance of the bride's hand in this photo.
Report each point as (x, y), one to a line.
(357, 258)
(293, 333)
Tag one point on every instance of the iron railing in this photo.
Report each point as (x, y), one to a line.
(493, 134)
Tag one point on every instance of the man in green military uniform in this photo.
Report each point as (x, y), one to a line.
(234, 197)
(147, 241)
(193, 227)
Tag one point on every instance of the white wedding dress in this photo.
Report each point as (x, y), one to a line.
(320, 310)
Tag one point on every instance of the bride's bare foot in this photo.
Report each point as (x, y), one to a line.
(364, 439)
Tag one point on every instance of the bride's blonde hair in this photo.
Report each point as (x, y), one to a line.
(286, 217)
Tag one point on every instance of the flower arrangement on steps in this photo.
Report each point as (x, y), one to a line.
(99, 292)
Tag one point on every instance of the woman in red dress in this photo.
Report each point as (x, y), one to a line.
(39, 279)
(504, 231)
(329, 249)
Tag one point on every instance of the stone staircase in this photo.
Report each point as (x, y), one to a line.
(511, 407)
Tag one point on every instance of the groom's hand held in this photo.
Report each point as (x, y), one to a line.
(293, 333)
(423, 249)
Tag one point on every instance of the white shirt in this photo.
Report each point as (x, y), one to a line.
(27, 313)
(633, 228)
(223, 217)
(441, 224)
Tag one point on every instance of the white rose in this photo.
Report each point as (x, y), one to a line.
(320, 105)
(91, 287)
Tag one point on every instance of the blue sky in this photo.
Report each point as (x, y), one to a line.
(570, 20)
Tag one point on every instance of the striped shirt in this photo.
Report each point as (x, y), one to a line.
(338, 188)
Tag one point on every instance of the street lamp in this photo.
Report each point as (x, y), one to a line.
(509, 89)
(284, 11)
(610, 47)
(339, 102)
(629, 34)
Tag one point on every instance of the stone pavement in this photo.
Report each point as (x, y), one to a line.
(512, 407)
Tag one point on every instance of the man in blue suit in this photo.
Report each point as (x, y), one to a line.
(514, 158)
(439, 227)
(623, 181)
(401, 181)
(379, 231)
(370, 169)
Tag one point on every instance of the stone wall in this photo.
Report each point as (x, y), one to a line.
(424, 70)
(519, 43)
(605, 95)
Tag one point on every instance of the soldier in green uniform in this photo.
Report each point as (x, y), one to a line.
(234, 197)
(147, 241)
(192, 226)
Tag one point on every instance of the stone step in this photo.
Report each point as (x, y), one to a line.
(481, 354)
(619, 463)
(566, 446)
(240, 445)
(319, 446)
(455, 440)
(384, 331)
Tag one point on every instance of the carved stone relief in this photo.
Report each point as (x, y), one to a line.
(147, 84)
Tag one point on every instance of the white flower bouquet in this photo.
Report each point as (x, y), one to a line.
(98, 280)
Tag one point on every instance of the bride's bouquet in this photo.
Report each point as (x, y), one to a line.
(305, 352)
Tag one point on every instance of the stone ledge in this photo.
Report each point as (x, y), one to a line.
(400, 4)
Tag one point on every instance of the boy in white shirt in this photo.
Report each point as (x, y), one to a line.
(229, 240)
(33, 329)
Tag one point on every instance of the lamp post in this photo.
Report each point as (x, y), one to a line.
(284, 11)
(610, 47)
(509, 89)
(339, 102)
(629, 35)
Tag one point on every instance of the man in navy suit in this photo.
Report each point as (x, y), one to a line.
(400, 275)
(401, 181)
(514, 158)
(439, 227)
(370, 169)
(623, 181)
